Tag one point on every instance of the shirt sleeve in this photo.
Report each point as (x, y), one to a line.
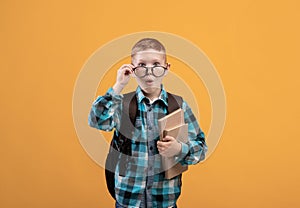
(105, 111)
(195, 149)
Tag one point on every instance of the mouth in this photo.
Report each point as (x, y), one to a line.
(149, 82)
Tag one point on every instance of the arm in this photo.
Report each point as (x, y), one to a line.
(194, 151)
(106, 110)
(188, 153)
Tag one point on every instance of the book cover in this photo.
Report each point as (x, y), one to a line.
(173, 125)
(170, 121)
(180, 133)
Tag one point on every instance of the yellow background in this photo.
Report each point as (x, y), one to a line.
(254, 45)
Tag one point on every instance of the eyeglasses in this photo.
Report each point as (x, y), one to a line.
(142, 71)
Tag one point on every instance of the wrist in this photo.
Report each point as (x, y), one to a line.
(179, 147)
(118, 87)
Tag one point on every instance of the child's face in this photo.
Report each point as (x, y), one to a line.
(149, 83)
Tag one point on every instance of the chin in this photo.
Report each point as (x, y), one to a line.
(150, 90)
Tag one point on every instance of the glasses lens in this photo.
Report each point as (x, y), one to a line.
(158, 71)
(140, 71)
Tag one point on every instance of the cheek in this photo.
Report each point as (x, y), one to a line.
(140, 82)
(159, 80)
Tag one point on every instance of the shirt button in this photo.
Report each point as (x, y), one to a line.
(151, 148)
(150, 127)
(150, 109)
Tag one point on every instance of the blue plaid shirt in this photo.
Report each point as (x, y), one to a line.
(144, 180)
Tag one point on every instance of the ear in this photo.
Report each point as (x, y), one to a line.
(168, 68)
(168, 65)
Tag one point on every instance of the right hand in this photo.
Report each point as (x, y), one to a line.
(123, 77)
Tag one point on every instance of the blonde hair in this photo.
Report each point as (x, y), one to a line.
(147, 43)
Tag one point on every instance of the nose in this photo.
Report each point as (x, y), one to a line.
(149, 70)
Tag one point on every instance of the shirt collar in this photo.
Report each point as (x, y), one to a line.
(163, 95)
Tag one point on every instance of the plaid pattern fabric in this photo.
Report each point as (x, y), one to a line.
(144, 171)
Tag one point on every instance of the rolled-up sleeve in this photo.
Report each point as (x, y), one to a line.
(105, 111)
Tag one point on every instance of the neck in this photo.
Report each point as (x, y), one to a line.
(153, 94)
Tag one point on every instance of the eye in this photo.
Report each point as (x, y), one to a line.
(141, 64)
(156, 64)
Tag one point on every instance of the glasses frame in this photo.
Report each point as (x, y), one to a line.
(147, 70)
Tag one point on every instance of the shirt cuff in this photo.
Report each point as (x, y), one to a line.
(112, 93)
(183, 153)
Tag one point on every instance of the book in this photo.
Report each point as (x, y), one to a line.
(170, 121)
(179, 132)
(173, 125)
(172, 168)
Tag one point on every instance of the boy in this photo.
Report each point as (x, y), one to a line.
(143, 184)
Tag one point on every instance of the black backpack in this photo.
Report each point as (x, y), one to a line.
(121, 144)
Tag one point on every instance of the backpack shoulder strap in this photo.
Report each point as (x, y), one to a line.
(128, 114)
(130, 105)
(174, 102)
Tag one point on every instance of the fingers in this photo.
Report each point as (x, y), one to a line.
(123, 74)
(162, 145)
(166, 145)
(165, 142)
(163, 149)
(168, 139)
(126, 69)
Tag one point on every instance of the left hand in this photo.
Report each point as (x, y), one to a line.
(169, 147)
